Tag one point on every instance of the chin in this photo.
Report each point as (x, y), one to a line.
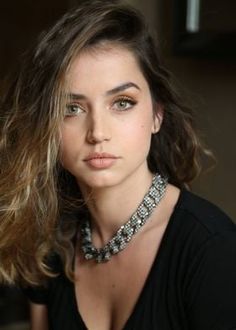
(98, 180)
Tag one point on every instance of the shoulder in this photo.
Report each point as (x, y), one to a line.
(202, 239)
(196, 224)
(40, 294)
(204, 214)
(206, 260)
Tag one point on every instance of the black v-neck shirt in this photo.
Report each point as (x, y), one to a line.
(191, 284)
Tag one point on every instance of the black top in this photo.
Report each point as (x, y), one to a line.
(192, 282)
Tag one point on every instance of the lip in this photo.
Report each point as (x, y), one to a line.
(99, 155)
(101, 160)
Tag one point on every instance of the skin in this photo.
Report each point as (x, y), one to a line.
(98, 121)
(111, 110)
(38, 315)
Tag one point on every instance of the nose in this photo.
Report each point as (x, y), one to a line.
(98, 129)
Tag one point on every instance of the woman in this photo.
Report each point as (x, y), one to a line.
(96, 153)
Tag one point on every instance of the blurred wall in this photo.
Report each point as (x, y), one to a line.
(21, 22)
(210, 87)
(209, 84)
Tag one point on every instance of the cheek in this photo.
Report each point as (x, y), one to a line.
(138, 137)
(70, 133)
(64, 149)
(142, 127)
(70, 142)
(66, 138)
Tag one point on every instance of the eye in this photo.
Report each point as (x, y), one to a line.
(123, 104)
(73, 109)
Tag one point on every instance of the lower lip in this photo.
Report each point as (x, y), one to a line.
(101, 163)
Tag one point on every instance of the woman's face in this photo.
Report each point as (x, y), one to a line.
(109, 119)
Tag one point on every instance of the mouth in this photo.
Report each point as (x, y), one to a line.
(97, 155)
(100, 160)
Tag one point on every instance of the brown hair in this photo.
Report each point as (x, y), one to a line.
(33, 195)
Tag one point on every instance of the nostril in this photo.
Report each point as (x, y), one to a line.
(97, 137)
(98, 132)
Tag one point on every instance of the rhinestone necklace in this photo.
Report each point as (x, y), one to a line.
(125, 233)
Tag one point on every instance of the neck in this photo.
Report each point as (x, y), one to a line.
(111, 207)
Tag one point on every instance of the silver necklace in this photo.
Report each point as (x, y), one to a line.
(125, 233)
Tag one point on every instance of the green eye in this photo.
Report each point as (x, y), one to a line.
(124, 104)
(73, 109)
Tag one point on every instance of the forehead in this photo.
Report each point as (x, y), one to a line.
(104, 66)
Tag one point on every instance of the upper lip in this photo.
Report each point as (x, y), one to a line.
(94, 155)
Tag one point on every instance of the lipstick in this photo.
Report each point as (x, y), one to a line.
(101, 160)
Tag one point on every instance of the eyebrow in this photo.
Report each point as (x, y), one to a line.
(122, 87)
(112, 91)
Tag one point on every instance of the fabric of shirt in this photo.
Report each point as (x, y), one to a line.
(191, 284)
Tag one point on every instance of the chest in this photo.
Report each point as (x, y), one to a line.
(107, 293)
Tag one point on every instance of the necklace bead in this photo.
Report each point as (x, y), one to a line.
(126, 232)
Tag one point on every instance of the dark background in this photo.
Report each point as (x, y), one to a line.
(208, 83)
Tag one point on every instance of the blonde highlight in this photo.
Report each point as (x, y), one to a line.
(40, 202)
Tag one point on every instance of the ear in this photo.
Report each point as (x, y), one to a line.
(157, 118)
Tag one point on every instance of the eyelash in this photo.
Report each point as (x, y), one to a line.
(127, 100)
(71, 106)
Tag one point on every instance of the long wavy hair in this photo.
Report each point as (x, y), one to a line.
(37, 196)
